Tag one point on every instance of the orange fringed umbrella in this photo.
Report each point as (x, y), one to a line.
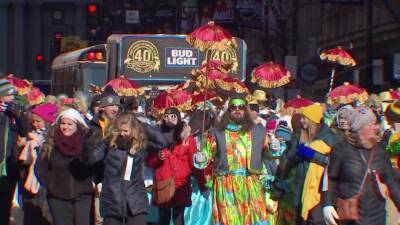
(177, 98)
(296, 104)
(125, 87)
(35, 96)
(211, 36)
(346, 94)
(337, 56)
(270, 75)
(21, 86)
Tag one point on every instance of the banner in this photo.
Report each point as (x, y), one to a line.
(171, 58)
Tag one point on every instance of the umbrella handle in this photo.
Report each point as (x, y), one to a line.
(332, 80)
(205, 99)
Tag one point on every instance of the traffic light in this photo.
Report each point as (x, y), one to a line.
(57, 41)
(40, 63)
(92, 16)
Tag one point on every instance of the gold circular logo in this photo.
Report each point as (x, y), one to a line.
(142, 57)
(227, 56)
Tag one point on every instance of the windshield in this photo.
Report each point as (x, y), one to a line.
(94, 74)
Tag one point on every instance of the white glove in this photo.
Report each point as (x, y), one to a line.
(330, 215)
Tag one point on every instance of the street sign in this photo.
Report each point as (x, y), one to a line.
(132, 17)
(309, 72)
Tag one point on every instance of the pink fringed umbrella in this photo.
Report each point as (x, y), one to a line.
(270, 75)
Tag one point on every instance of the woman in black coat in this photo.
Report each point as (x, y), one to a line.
(123, 198)
(67, 179)
(348, 166)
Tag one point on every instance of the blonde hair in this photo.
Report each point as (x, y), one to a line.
(138, 135)
(308, 135)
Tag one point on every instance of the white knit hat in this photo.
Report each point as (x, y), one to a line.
(73, 115)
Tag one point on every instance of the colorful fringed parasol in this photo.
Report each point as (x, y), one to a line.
(21, 86)
(232, 87)
(216, 70)
(211, 36)
(346, 94)
(177, 98)
(125, 87)
(295, 105)
(270, 75)
(337, 56)
(35, 96)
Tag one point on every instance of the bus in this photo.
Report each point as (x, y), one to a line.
(77, 70)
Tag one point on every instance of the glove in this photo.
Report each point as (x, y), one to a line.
(206, 193)
(277, 190)
(305, 152)
(330, 215)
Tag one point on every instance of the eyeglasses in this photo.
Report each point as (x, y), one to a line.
(237, 107)
(170, 117)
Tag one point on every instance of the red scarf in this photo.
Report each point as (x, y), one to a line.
(69, 146)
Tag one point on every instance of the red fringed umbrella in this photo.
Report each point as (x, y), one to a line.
(337, 56)
(211, 36)
(35, 96)
(125, 87)
(395, 94)
(346, 94)
(270, 75)
(232, 87)
(199, 98)
(21, 86)
(296, 104)
(216, 70)
(177, 98)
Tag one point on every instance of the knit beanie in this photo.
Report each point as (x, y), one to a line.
(6, 88)
(271, 125)
(283, 132)
(46, 111)
(360, 117)
(174, 111)
(109, 98)
(392, 112)
(74, 115)
(314, 112)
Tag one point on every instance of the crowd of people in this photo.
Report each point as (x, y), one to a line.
(110, 160)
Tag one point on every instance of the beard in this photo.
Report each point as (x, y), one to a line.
(237, 118)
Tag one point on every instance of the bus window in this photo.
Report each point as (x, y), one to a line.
(94, 73)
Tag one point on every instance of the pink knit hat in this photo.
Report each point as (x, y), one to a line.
(271, 125)
(46, 111)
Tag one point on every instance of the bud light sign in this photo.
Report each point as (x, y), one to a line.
(181, 57)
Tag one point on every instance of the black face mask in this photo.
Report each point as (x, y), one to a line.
(123, 143)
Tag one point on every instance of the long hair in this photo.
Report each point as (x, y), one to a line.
(226, 118)
(138, 135)
(48, 145)
(308, 135)
(177, 131)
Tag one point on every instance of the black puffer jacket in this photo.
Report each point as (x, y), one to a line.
(346, 171)
(118, 195)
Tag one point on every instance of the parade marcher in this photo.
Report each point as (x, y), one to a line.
(359, 170)
(33, 195)
(59, 168)
(391, 137)
(342, 122)
(173, 167)
(237, 147)
(310, 154)
(123, 151)
(8, 135)
(108, 105)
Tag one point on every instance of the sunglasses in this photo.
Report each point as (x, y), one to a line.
(237, 107)
(170, 116)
